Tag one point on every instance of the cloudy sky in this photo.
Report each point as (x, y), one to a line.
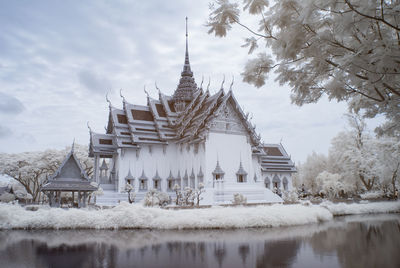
(58, 59)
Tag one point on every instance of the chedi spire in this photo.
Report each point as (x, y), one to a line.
(187, 86)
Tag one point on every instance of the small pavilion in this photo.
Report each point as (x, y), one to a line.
(69, 177)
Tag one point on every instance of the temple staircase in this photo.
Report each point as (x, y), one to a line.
(223, 194)
(111, 197)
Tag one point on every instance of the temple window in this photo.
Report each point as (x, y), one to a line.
(276, 182)
(241, 174)
(218, 173)
(285, 183)
(143, 185)
(267, 183)
(170, 184)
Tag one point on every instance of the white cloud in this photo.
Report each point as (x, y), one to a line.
(10, 104)
(58, 59)
(5, 132)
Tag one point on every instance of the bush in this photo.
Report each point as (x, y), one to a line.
(239, 199)
(155, 198)
(7, 197)
(290, 197)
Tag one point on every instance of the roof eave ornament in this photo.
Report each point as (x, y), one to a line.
(108, 100)
(120, 93)
(223, 81)
(90, 129)
(202, 79)
(208, 86)
(73, 145)
(230, 87)
(147, 94)
(159, 91)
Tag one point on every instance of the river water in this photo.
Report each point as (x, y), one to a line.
(352, 241)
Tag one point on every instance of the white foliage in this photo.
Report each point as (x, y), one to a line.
(341, 209)
(309, 170)
(136, 216)
(155, 198)
(239, 199)
(127, 215)
(347, 50)
(331, 184)
(372, 195)
(290, 196)
(7, 197)
(32, 169)
(357, 162)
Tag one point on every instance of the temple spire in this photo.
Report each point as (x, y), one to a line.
(186, 66)
(187, 86)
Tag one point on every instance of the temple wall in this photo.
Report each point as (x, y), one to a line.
(281, 176)
(176, 158)
(229, 149)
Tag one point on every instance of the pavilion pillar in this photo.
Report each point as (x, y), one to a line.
(96, 168)
(50, 196)
(73, 198)
(84, 198)
(58, 197)
(79, 199)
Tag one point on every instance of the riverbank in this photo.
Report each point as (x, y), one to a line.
(135, 216)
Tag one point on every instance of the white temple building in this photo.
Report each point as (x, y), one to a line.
(188, 138)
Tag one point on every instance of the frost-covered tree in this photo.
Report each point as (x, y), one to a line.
(131, 192)
(178, 194)
(388, 162)
(32, 169)
(332, 185)
(198, 192)
(348, 50)
(188, 196)
(309, 170)
(353, 154)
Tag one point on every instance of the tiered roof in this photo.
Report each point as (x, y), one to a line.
(275, 159)
(159, 122)
(165, 120)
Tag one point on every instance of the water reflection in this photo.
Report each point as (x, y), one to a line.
(372, 241)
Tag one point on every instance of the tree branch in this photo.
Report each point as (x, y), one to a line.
(392, 89)
(371, 17)
(253, 32)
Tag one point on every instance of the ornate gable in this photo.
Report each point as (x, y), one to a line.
(228, 121)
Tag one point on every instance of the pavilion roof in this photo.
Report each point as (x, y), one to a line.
(70, 176)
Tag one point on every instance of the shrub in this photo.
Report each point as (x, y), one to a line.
(239, 199)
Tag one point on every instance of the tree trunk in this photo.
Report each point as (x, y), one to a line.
(394, 177)
(368, 184)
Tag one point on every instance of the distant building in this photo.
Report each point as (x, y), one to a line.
(189, 138)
